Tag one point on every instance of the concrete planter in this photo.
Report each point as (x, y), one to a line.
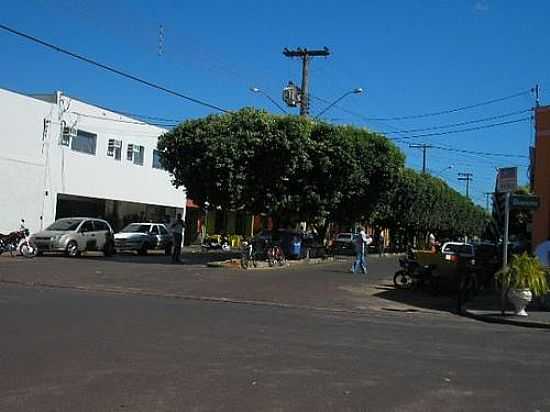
(520, 298)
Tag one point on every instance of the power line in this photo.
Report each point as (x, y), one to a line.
(453, 149)
(446, 126)
(470, 129)
(124, 121)
(112, 69)
(456, 109)
(430, 114)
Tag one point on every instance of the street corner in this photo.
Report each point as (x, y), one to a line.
(486, 308)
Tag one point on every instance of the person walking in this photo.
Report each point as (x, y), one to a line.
(381, 244)
(360, 245)
(177, 234)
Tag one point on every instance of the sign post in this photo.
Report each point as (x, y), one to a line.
(507, 179)
(505, 250)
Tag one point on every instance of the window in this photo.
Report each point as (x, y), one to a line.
(84, 142)
(65, 225)
(163, 230)
(101, 226)
(155, 230)
(114, 148)
(87, 226)
(156, 160)
(135, 154)
(135, 228)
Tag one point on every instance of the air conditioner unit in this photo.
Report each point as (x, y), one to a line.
(67, 135)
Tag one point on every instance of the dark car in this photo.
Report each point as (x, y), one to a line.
(487, 261)
(344, 243)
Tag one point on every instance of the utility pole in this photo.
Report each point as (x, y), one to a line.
(537, 95)
(468, 178)
(424, 147)
(487, 195)
(306, 56)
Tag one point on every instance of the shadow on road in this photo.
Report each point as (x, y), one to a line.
(191, 258)
(416, 298)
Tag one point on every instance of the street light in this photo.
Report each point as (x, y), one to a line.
(260, 91)
(445, 169)
(358, 90)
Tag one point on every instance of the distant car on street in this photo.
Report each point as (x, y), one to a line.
(142, 237)
(343, 243)
(75, 235)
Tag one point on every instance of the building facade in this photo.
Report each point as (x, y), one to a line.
(540, 170)
(63, 157)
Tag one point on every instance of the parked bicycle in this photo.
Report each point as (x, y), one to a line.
(258, 250)
(275, 255)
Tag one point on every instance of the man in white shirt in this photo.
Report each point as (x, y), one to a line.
(361, 243)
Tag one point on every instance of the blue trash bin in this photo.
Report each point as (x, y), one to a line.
(295, 248)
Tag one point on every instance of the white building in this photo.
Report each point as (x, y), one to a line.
(63, 157)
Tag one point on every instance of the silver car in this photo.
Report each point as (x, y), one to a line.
(142, 237)
(75, 235)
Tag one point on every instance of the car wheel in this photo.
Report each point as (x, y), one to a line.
(402, 280)
(72, 249)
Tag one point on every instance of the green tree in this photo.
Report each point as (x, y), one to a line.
(288, 167)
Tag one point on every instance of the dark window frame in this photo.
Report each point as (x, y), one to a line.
(79, 144)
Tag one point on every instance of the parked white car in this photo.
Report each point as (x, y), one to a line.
(450, 249)
(142, 237)
(75, 235)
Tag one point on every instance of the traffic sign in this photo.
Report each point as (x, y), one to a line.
(524, 202)
(507, 179)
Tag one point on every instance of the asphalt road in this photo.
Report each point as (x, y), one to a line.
(65, 350)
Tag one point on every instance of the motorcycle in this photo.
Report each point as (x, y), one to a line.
(413, 274)
(214, 242)
(18, 241)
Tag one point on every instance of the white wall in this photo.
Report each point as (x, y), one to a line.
(27, 174)
(22, 159)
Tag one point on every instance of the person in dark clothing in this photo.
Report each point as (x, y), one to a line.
(176, 228)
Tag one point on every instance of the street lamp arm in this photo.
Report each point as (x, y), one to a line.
(275, 103)
(256, 90)
(355, 91)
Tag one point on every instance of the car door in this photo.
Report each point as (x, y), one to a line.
(101, 231)
(155, 236)
(86, 236)
(165, 237)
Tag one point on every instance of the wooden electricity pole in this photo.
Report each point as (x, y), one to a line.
(306, 56)
(423, 147)
(468, 178)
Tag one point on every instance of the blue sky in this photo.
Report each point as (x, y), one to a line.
(409, 57)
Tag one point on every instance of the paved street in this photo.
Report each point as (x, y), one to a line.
(305, 338)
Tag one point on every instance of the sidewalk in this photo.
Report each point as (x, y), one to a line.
(486, 308)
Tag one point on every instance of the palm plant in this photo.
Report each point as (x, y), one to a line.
(524, 272)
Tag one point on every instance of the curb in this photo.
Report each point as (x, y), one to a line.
(503, 321)
(235, 263)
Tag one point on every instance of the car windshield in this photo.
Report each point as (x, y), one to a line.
(136, 228)
(464, 249)
(64, 224)
(343, 236)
